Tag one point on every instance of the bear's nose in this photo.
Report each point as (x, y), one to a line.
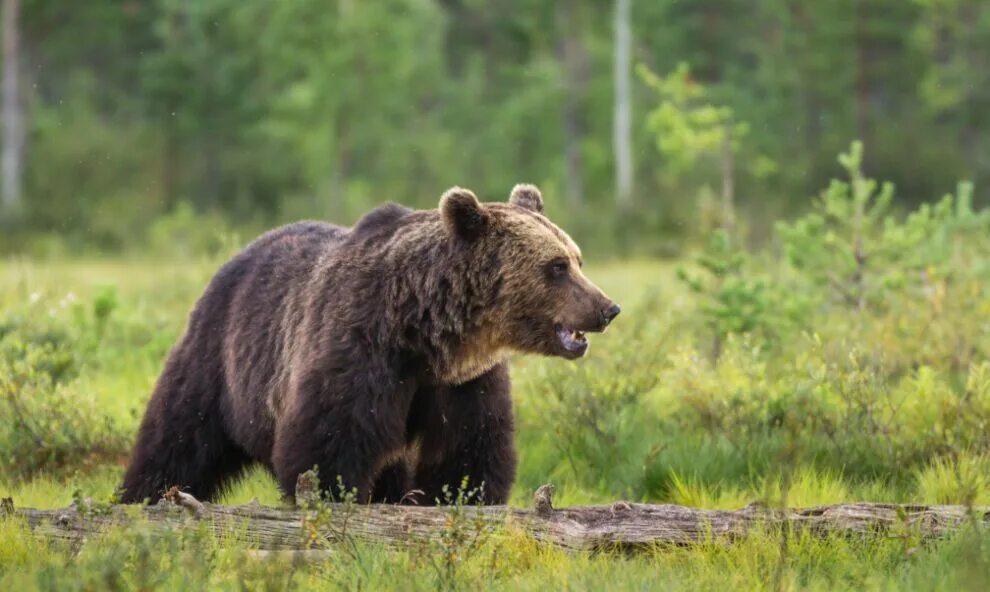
(611, 312)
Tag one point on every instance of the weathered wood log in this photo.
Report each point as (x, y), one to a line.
(621, 525)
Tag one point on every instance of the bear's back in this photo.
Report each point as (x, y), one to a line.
(258, 294)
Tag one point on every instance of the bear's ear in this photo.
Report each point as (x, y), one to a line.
(463, 214)
(527, 196)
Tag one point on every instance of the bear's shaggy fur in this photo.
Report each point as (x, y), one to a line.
(375, 353)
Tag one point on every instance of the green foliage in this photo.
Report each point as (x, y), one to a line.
(464, 535)
(871, 395)
(687, 127)
(260, 112)
(47, 420)
(183, 233)
(848, 243)
(854, 250)
(731, 301)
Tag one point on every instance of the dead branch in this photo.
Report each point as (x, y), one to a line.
(179, 498)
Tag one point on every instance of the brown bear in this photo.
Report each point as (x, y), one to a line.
(375, 353)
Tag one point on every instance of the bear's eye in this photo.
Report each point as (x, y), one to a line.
(558, 268)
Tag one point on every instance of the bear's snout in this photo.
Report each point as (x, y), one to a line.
(610, 313)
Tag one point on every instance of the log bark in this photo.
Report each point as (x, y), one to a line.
(622, 525)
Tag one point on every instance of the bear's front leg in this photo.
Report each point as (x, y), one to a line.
(347, 430)
(468, 432)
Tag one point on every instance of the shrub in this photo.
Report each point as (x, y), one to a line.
(732, 301)
(47, 419)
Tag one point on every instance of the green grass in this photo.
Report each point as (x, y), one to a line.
(873, 407)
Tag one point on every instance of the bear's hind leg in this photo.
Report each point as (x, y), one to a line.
(182, 440)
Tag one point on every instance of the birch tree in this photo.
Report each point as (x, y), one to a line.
(13, 117)
(622, 122)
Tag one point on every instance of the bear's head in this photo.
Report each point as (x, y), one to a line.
(544, 304)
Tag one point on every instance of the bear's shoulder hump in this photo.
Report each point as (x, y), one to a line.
(381, 218)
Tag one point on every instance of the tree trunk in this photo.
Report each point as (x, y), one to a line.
(727, 163)
(574, 61)
(621, 525)
(13, 113)
(863, 58)
(622, 123)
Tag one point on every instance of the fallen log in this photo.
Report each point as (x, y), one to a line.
(621, 525)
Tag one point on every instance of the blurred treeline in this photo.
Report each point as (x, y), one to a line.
(147, 123)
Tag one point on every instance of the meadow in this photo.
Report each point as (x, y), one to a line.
(848, 361)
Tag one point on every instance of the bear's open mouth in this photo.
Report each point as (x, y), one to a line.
(573, 341)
